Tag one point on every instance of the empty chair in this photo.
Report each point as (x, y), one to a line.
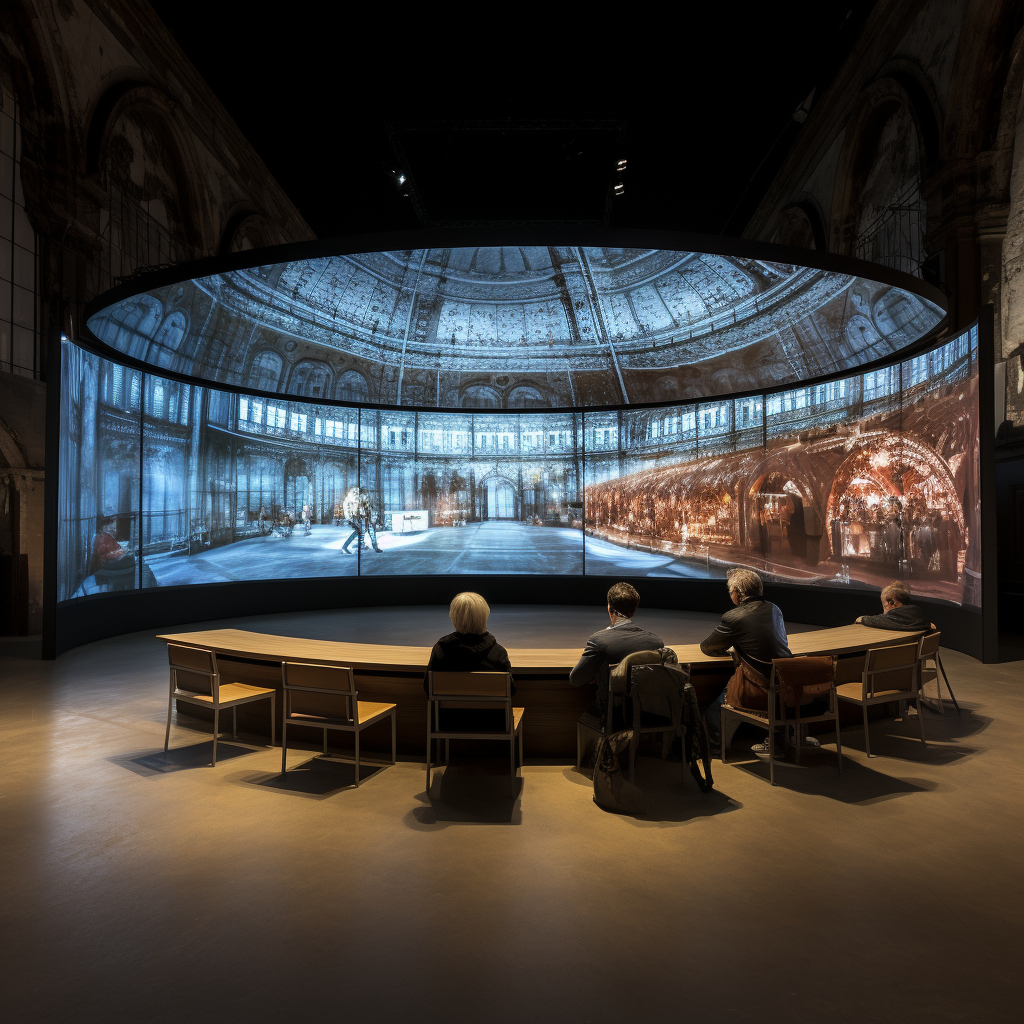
(337, 705)
(792, 680)
(930, 668)
(889, 674)
(472, 691)
(195, 679)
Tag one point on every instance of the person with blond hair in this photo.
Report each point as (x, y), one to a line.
(471, 648)
(755, 630)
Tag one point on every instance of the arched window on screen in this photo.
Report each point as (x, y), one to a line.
(265, 371)
(310, 378)
(351, 387)
(168, 339)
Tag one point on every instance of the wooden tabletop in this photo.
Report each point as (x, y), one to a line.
(242, 643)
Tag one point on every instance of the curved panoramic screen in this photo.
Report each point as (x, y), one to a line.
(516, 327)
(851, 483)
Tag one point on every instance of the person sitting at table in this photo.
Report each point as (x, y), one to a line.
(755, 630)
(471, 648)
(608, 647)
(107, 553)
(897, 611)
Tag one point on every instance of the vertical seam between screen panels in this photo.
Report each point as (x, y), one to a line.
(142, 466)
(583, 486)
(359, 484)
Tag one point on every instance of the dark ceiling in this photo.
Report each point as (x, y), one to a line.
(518, 121)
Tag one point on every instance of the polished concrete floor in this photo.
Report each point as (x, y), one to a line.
(145, 888)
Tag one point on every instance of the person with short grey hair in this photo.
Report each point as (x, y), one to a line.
(898, 611)
(754, 629)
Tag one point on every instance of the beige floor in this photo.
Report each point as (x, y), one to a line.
(143, 889)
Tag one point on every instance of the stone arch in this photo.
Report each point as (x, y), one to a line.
(311, 378)
(887, 126)
(133, 332)
(801, 224)
(527, 396)
(166, 344)
(130, 115)
(352, 387)
(245, 229)
(265, 371)
(479, 396)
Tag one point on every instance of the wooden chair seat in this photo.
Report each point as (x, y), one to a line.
(368, 711)
(230, 693)
(889, 675)
(195, 679)
(336, 682)
(854, 692)
(792, 681)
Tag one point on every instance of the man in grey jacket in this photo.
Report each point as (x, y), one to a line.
(608, 647)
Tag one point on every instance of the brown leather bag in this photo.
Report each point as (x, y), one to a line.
(747, 688)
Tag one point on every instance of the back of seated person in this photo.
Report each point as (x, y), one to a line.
(755, 630)
(897, 611)
(608, 647)
(471, 648)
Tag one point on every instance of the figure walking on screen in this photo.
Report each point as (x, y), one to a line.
(366, 514)
(350, 509)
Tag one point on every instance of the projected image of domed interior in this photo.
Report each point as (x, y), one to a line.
(852, 482)
(516, 327)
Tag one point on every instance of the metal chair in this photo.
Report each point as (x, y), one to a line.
(197, 669)
(664, 702)
(477, 690)
(890, 675)
(791, 680)
(617, 685)
(930, 667)
(299, 678)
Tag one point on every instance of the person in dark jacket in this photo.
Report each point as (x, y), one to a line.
(898, 612)
(754, 629)
(471, 648)
(608, 647)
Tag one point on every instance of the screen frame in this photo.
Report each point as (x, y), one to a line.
(349, 245)
(70, 623)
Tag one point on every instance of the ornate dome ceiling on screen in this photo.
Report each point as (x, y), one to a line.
(517, 326)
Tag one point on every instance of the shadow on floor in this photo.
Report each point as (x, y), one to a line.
(317, 778)
(817, 776)
(468, 793)
(952, 726)
(179, 759)
(663, 796)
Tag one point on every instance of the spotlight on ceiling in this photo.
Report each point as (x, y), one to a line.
(620, 189)
(620, 166)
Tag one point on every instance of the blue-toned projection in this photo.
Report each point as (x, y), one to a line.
(517, 327)
(850, 483)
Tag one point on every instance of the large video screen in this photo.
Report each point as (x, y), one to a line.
(851, 483)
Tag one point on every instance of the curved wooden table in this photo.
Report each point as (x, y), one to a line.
(394, 675)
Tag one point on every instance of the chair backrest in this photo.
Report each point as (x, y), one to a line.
(303, 679)
(929, 646)
(658, 689)
(890, 668)
(469, 686)
(619, 675)
(798, 678)
(851, 669)
(193, 668)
